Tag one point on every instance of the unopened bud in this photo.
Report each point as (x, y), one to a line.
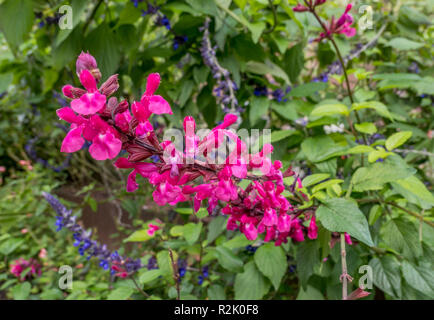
(110, 86)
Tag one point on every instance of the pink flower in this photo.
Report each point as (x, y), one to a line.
(312, 231)
(42, 253)
(300, 8)
(348, 239)
(19, 265)
(86, 61)
(92, 101)
(146, 170)
(152, 228)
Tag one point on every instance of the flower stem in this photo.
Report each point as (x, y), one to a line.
(176, 276)
(344, 276)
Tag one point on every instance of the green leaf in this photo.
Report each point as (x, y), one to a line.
(414, 191)
(122, 293)
(129, 15)
(215, 228)
(400, 43)
(308, 89)
(271, 261)
(191, 232)
(376, 105)
(138, 236)
(16, 20)
(228, 259)
(238, 241)
(307, 257)
(419, 278)
(366, 127)
(343, 215)
(402, 236)
(326, 184)
(5, 81)
(329, 110)
(386, 275)
(149, 275)
(376, 175)
(310, 293)
(287, 109)
(314, 179)
(21, 291)
(360, 149)
(258, 108)
(379, 153)
(165, 263)
(281, 134)
(322, 148)
(216, 292)
(397, 139)
(251, 284)
(294, 61)
(186, 89)
(256, 30)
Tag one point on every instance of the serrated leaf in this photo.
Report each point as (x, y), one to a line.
(414, 191)
(401, 43)
(376, 105)
(308, 89)
(307, 257)
(343, 215)
(281, 134)
(386, 275)
(258, 108)
(326, 184)
(251, 284)
(329, 110)
(271, 261)
(402, 236)
(366, 127)
(314, 179)
(122, 293)
(16, 20)
(419, 278)
(149, 276)
(376, 175)
(191, 232)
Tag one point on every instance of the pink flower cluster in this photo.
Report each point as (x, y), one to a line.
(340, 26)
(18, 266)
(179, 175)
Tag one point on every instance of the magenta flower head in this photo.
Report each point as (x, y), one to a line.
(86, 61)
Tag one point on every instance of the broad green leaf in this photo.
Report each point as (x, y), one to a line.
(238, 241)
(326, 184)
(138, 236)
(256, 30)
(165, 263)
(258, 108)
(267, 68)
(294, 61)
(228, 259)
(101, 43)
(287, 109)
(251, 284)
(307, 257)
(16, 20)
(386, 275)
(321, 148)
(216, 292)
(282, 134)
(176, 231)
(149, 276)
(402, 236)
(419, 278)
(376, 175)
(5, 81)
(374, 213)
(215, 228)
(360, 149)
(414, 191)
(343, 215)
(397, 139)
(21, 291)
(271, 261)
(310, 293)
(122, 293)
(366, 127)
(314, 179)
(329, 110)
(379, 153)
(191, 232)
(400, 43)
(376, 105)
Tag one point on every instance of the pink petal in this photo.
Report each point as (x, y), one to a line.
(73, 141)
(68, 115)
(158, 105)
(89, 103)
(88, 81)
(105, 146)
(132, 185)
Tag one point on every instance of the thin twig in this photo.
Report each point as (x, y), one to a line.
(273, 9)
(345, 277)
(176, 276)
(138, 287)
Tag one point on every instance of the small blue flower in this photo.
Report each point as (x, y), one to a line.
(182, 272)
(200, 280)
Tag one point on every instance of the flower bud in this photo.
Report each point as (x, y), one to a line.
(86, 61)
(110, 86)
